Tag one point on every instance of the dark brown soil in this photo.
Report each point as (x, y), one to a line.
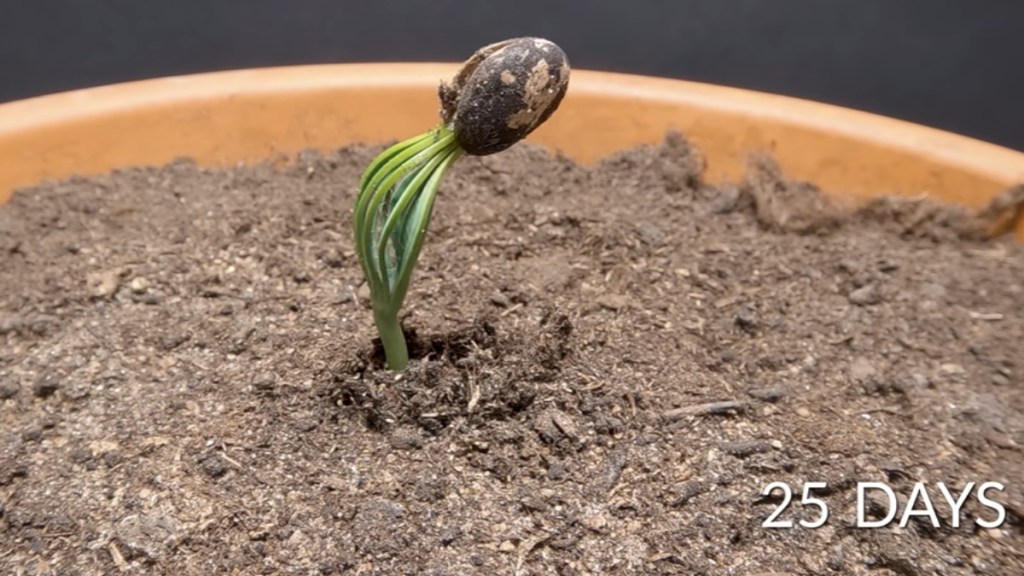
(611, 365)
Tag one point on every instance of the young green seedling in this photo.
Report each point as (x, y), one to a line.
(499, 96)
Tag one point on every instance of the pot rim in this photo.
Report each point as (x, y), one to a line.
(958, 168)
(37, 111)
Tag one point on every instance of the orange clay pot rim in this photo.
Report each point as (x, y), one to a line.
(945, 147)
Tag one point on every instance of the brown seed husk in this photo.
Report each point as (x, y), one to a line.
(504, 92)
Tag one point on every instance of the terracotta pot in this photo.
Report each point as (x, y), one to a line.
(252, 115)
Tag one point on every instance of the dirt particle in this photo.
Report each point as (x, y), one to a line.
(534, 504)
(596, 522)
(10, 323)
(12, 461)
(363, 293)
(556, 471)
(139, 285)
(507, 547)
(951, 369)
(608, 425)
(431, 488)
(613, 302)
(449, 535)
(42, 324)
(650, 234)
(103, 284)
(836, 559)
(554, 425)
(214, 465)
(500, 300)
(264, 382)
(746, 320)
(723, 408)
(406, 438)
(866, 296)
(80, 455)
(686, 491)
(862, 371)
(172, 339)
(781, 205)
(744, 448)
(611, 470)
(771, 394)
(921, 381)
(8, 390)
(994, 533)
(150, 536)
(305, 425)
(112, 458)
(725, 200)
(46, 385)
(240, 338)
(297, 540)
(32, 433)
(887, 266)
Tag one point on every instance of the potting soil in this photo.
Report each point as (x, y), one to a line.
(611, 364)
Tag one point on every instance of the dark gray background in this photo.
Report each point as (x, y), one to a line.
(952, 64)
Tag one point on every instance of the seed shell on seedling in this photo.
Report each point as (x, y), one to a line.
(504, 92)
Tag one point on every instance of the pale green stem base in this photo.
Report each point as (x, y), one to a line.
(392, 338)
